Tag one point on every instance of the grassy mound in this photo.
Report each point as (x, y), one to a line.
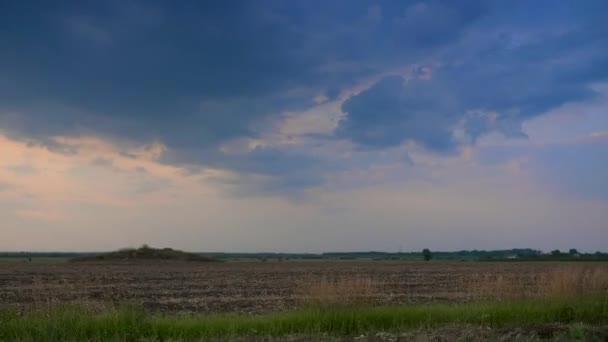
(146, 253)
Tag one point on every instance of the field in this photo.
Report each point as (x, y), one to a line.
(288, 287)
(257, 287)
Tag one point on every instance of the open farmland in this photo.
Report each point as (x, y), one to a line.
(260, 287)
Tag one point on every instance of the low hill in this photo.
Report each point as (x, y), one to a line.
(146, 253)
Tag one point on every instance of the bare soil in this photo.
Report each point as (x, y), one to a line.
(256, 287)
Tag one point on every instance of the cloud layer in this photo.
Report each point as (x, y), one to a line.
(247, 106)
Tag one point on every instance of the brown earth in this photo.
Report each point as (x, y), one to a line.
(254, 287)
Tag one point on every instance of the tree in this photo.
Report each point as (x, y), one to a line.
(556, 253)
(573, 251)
(426, 253)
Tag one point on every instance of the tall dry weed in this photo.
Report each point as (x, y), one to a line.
(563, 281)
(574, 281)
(339, 291)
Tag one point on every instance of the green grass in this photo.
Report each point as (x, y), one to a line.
(73, 323)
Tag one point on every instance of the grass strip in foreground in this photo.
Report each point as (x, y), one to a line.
(74, 323)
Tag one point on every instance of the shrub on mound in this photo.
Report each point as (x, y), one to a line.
(146, 253)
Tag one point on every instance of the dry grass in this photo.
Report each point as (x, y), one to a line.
(575, 281)
(339, 291)
(563, 281)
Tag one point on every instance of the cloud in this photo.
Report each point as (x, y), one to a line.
(434, 22)
(22, 169)
(5, 186)
(197, 77)
(270, 170)
(85, 176)
(40, 215)
(102, 162)
(263, 123)
(574, 169)
(83, 27)
(393, 111)
(149, 186)
(599, 134)
(417, 205)
(495, 89)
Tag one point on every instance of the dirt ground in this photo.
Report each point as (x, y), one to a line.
(547, 332)
(255, 287)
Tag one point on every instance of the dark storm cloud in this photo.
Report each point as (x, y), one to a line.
(194, 74)
(273, 170)
(496, 89)
(392, 111)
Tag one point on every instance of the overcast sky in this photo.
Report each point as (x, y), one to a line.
(303, 126)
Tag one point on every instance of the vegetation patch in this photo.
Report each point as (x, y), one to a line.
(145, 253)
(75, 323)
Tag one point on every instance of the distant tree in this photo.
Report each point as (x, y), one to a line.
(556, 252)
(426, 253)
(573, 251)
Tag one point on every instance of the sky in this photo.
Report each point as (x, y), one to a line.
(303, 126)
